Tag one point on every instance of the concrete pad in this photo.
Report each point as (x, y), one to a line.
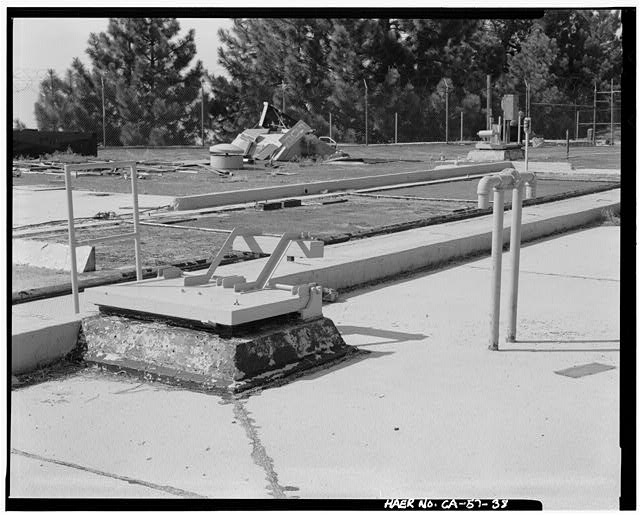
(52, 255)
(432, 410)
(485, 155)
(179, 439)
(544, 166)
(33, 476)
(428, 412)
(34, 207)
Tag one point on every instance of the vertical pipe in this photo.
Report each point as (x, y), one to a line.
(519, 125)
(72, 241)
(577, 124)
(488, 102)
(496, 265)
(595, 92)
(514, 250)
(567, 143)
(611, 101)
(396, 138)
(104, 131)
(526, 145)
(283, 95)
(461, 126)
(136, 220)
(330, 126)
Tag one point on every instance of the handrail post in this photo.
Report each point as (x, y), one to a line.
(514, 249)
(136, 219)
(72, 240)
(496, 264)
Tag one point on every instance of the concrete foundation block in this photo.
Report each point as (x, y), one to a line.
(485, 155)
(56, 256)
(206, 359)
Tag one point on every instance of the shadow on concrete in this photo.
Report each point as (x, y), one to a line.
(337, 365)
(559, 346)
(392, 336)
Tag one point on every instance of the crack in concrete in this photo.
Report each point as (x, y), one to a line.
(259, 453)
(163, 488)
(571, 276)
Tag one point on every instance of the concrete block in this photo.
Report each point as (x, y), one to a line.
(482, 156)
(45, 342)
(52, 255)
(206, 359)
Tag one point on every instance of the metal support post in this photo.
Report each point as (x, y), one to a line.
(136, 220)
(366, 113)
(496, 265)
(595, 92)
(567, 143)
(396, 132)
(488, 102)
(577, 125)
(104, 131)
(72, 242)
(514, 250)
(202, 111)
(446, 109)
(519, 125)
(611, 111)
(330, 126)
(461, 126)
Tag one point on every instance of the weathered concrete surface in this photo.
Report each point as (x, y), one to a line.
(209, 360)
(32, 205)
(276, 192)
(52, 255)
(483, 156)
(429, 412)
(372, 259)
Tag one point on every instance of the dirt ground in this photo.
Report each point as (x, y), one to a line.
(407, 158)
(353, 214)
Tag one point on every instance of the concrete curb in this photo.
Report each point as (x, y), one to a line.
(348, 265)
(55, 256)
(311, 188)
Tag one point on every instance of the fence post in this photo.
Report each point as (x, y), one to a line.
(366, 113)
(446, 114)
(567, 143)
(577, 124)
(611, 111)
(104, 132)
(461, 125)
(396, 138)
(595, 92)
(202, 110)
(330, 126)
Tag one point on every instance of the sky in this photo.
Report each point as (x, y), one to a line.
(43, 43)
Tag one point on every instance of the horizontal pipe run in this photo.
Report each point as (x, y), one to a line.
(115, 237)
(93, 166)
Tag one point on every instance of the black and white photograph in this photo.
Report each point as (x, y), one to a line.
(321, 258)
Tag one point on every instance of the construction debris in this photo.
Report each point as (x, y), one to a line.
(278, 137)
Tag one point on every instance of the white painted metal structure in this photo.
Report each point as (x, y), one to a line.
(223, 299)
(506, 179)
(135, 235)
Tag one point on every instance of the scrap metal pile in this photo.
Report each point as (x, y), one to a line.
(278, 137)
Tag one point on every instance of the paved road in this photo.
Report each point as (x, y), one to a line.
(428, 410)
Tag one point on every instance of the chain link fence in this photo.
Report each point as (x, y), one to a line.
(447, 115)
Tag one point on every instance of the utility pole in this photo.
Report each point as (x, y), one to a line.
(488, 102)
(611, 111)
(446, 109)
(104, 131)
(595, 93)
(366, 113)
